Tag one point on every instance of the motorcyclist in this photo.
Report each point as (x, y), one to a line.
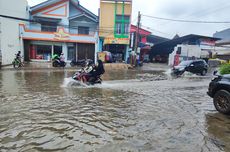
(55, 57)
(62, 58)
(95, 72)
(98, 70)
(18, 57)
(86, 72)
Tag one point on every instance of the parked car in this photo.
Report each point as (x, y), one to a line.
(193, 66)
(219, 90)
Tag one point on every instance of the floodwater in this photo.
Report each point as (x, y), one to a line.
(128, 112)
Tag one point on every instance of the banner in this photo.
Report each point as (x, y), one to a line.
(116, 41)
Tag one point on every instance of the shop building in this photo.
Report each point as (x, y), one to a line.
(114, 28)
(142, 43)
(60, 26)
(10, 42)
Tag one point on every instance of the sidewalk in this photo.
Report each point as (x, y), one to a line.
(107, 66)
(48, 65)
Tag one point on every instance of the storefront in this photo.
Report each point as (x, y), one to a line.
(43, 51)
(118, 47)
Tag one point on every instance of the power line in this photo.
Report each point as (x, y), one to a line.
(187, 21)
(209, 11)
(204, 12)
(155, 30)
(17, 18)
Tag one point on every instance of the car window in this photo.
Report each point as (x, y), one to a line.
(200, 62)
(196, 63)
(185, 63)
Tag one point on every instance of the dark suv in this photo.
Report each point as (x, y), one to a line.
(219, 90)
(193, 66)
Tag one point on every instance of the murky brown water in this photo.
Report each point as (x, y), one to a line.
(38, 114)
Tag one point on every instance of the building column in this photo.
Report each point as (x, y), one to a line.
(127, 53)
(64, 50)
(97, 42)
(76, 51)
(21, 46)
(52, 51)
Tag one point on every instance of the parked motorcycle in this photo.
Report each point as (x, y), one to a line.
(77, 63)
(56, 62)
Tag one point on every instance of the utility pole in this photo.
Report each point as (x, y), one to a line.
(137, 37)
(137, 31)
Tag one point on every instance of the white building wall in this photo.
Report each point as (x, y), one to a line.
(10, 41)
(16, 8)
(9, 38)
(187, 51)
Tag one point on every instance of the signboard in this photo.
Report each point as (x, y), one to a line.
(207, 42)
(61, 35)
(116, 41)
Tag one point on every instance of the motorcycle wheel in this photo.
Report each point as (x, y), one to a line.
(54, 64)
(72, 64)
(16, 65)
(13, 63)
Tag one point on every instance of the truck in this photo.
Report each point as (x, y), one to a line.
(187, 52)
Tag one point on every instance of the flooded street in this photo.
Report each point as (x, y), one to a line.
(39, 111)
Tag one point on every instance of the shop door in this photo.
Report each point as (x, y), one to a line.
(57, 50)
(71, 53)
(86, 51)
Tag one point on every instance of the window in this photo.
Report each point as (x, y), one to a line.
(40, 52)
(126, 28)
(73, 29)
(178, 50)
(196, 63)
(118, 26)
(83, 30)
(48, 28)
(122, 24)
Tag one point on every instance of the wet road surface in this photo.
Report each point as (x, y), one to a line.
(130, 111)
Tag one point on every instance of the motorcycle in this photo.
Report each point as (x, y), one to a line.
(90, 79)
(58, 63)
(78, 62)
(17, 63)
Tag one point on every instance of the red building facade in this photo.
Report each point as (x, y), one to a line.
(142, 41)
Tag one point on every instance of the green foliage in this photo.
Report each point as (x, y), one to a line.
(225, 69)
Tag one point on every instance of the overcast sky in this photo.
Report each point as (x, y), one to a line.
(201, 10)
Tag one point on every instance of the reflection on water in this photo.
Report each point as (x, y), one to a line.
(39, 113)
(218, 127)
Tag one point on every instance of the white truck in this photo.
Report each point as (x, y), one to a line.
(187, 52)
